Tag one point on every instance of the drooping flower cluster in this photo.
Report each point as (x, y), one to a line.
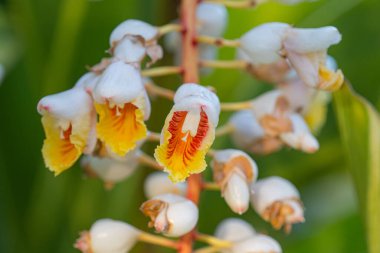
(104, 117)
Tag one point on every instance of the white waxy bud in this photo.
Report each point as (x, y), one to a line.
(234, 171)
(263, 43)
(300, 137)
(212, 19)
(111, 170)
(66, 106)
(87, 82)
(106, 236)
(247, 129)
(130, 49)
(193, 97)
(234, 230)
(171, 214)
(277, 201)
(135, 28)
(158, 183)
(236, 192)
(257, 243)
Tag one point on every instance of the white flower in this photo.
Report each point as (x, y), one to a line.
(130, 49)
(171, 214)
(300, 136)
(188, 132)
(135, 28)
(68, 119)
(263, 43)
(234, 230)
(158, 183)
(305, 49)
(108, 236)
(212, 19)
(259, 244)
(122, 104)
(111, 170)
(277, 201)
(234, 171)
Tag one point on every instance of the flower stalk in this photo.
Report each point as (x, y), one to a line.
(161, 71)
(219, 42)
(158, 240)
(231, 64)
(242, 4)
(190, 75)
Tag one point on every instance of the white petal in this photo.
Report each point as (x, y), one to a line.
(190, 96)
(236, 193)
(158, 183)
(112, 236)
(300, 138)
(111, 170)
(265, 103)
(307, 40)
(266, 191)
(182, 214)
(247, 129)
(87, 81)
(263, 43)
(212, 19)
(133, 27)
(234, 230)
(130, 49)
(120, 83)
(258, 243)
(67, 105)
(331, 63)
(226, 155)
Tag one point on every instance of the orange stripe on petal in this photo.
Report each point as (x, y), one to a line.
(60, 152)
(182, 154)
(120, 128)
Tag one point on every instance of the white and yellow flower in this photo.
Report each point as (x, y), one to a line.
(68, 120)
(305, 49)
(122, 105)
(188, 132)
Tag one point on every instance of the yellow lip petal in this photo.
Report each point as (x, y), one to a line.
(120, 128)
(330, 80)
(182, 154)
(61, 149)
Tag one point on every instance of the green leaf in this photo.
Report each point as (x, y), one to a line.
(359, 125)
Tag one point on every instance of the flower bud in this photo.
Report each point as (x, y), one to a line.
(234, 171)
(158, 183)
(111, 170)
(171, 214)
(212, 19)
(300, 137)
(257, 243)
(277, 201)
(107, 236)
(130, 49)
(135, 28)
(234, 230)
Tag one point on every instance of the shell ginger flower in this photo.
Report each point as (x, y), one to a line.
(67, 118)
(188, 132)
(122, 104)
(305, 49)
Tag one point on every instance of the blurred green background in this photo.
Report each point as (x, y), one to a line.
(45, 46)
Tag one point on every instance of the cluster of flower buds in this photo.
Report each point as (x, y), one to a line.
(103, 116)
(244, 238)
